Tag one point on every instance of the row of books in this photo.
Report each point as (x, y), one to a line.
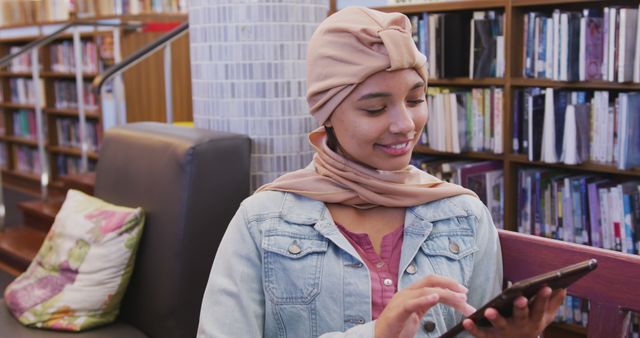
(68, 165)
(485, 178)
(21, 63)
(464, 119)
(595, 44)
(3, 129)
(584, 209)
(28, 160)
(573, 127)
(576, 310)
(24, 124)
(63, 57)
(461, 44)
(25, 12)
(23, 91)
(68, 130)
(4, 159)
(66, 95)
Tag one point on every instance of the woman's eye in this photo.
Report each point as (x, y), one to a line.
(415, 102)
(375, 111)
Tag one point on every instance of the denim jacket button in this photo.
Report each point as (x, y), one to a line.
(412, 269)
(294, 249)
(454, 247)
(429, 326)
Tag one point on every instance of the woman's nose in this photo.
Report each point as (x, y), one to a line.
(402, 121)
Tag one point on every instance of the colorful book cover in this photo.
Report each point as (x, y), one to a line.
(594, 52)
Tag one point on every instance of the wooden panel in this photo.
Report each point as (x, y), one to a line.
(610, 288)
(144, 82)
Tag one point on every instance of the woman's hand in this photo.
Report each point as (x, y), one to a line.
(401, 317)
(526, 322)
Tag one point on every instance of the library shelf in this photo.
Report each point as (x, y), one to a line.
(422, 149)
(61, 75)
(465, 81)
(93, 113)
(21, 174)
(11, 105)
(586, 167)
(445, 6)
(526, 3)
(71, 151)
(15, 74)
(605, 85)
(565, 330)
(19, 140)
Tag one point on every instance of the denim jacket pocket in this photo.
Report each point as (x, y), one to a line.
(293, 266)
(450, 248)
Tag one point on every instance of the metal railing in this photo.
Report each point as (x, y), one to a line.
(141, 54)
(34, 48)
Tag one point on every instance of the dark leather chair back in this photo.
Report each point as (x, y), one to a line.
(190, 183)
(612, 288)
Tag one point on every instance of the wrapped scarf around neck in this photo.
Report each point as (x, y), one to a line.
(336, 179)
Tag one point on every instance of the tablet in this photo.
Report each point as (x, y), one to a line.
(558, 279)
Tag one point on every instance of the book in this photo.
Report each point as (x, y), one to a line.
(628, 21)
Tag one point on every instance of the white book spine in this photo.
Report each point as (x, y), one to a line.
(549, 129)
(622, 36)
(549, 49)
(556, 44)
(453, 107)
(564, 46)
(612, 43)
(605, 45)
(497, 128)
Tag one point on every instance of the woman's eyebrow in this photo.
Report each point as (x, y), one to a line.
(386, 94)
(417, 85)
(373, 96)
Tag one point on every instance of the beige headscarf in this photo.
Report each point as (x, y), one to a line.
(347, 48)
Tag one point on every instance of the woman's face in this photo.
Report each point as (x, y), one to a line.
(382, 119)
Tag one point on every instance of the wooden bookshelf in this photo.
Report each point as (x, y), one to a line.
(514, 12)
(144, 88)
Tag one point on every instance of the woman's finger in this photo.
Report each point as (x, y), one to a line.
(420, 304)
(454, 299)
(540, 304)
(496, 319)
(471, 327)
(521, 310)
(435, 281)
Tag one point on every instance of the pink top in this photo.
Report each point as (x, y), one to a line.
(383, 268)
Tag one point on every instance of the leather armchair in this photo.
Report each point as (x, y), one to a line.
(190, 183)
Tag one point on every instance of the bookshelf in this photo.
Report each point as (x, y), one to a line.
(515, 12)
(143, 83)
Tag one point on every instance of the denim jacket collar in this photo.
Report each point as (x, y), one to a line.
(301, 210)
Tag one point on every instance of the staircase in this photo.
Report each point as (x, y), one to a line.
(20, 243)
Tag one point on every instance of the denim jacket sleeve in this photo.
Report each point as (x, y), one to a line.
(234, 301)
(486, 280)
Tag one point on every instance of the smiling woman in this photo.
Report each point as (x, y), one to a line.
(379, 123)
(360, 243)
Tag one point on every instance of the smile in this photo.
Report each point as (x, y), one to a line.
(396, 149)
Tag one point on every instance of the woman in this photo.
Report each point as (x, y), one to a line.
(361, 244)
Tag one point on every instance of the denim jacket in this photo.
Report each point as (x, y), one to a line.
(283, 269)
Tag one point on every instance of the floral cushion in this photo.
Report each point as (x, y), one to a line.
(78, 278)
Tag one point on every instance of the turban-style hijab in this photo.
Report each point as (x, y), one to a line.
(347, 48)
(351, 45)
